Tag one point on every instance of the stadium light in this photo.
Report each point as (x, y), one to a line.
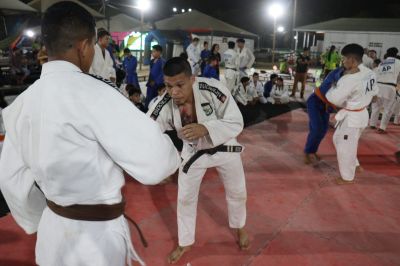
(183, 10)
(175, 9)
(30, 33)
(143, 5)
(280, 29)
(190, 10)
(275, 10)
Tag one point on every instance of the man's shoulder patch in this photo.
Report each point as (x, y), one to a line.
(208, 110)
(159, 106)
(106, 81)
(206, 87)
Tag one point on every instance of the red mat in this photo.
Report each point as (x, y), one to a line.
(297, 215)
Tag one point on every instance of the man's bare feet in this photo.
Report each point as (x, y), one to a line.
(307, 158)
(317, 157)
(359, 169)
(244, 242)
(341, 181)
(177, 254)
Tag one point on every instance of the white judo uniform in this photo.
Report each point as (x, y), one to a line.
(231, 60)
(245, 95)
(218, 112)
(259, 88)
(102, 66)
(2, 131)
(65, 133)
(368, 61)
(353, 93)
(388, 78)
(246, 60)
(279, 93)
(194, 58)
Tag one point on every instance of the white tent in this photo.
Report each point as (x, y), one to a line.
(42, 5)
(15, 5)
(122, 23)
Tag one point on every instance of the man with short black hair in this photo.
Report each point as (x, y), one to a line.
(246, 57)
(193, 52)
(65, 147)
(156, 76)
(231, 60)
(353, 93)
(257, 86)
(301, 72)
(103, 64)
(129, 64)
(210, 71)
(208, 121)
(204, 55)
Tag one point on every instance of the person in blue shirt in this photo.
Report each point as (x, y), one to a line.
(318, 109)
(210, 71)
(204, 55)
(129, 64)
(156, 76)
(269, 84)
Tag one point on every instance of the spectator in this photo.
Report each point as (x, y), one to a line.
(205, 54)
(210, 71)
(366, 60)
(245, 95)
(256, 85)
(161, 89)
(19, 68)
(215, 52)
(129, 64)
(301, 72)
(246, 57)
(156, 76)
(103, 64)
(279, 93)
(332, 60)
(372, 55)
(135, 96)
(269, 84)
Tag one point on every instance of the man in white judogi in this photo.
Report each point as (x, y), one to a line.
(388, 79)
(102, 62)
(208, 121)
(246, 58)
(193, 51)
(353, 93)
(279, 93)
(366, 60)
(256, 85)
(64, 134)
(245, 94)
(231, 60)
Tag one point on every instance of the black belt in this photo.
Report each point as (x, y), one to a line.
(388, 83)
(234, 69)
(212, 151)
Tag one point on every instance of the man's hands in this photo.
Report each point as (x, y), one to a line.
(194, 131)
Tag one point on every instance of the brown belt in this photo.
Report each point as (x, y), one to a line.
(2, 137)
(98, 212)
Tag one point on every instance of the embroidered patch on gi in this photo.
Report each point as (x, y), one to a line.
(346, 137)
(208, 110)
(159, 106)
(205, 87)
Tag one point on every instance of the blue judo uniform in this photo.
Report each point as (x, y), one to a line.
(204, 55)
(130, 64)
(318, 113)
(210, 72)
(156, 78)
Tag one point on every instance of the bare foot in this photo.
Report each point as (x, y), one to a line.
(341, 181)
(177, 254)
(359, 169)
(317, 157)
(244, 242)
(307, 158)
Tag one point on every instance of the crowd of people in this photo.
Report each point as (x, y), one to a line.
(63, 160)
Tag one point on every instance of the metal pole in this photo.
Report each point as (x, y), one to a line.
(294, 22)
(141, 39)
(273, 42)
(5, 26)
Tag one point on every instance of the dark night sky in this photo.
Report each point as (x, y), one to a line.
(252, 14)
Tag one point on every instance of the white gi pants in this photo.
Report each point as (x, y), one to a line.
(62, 241)
(231, 78)
(345, 140)
(283, 100)
(396, 112)
(230, 170)
(195, 68)
(263, 100)
(388, 105)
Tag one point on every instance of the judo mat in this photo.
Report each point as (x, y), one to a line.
(297, 215)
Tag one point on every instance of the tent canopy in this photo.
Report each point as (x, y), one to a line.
(198, 22)
(15, 5)
(42, 5)
(122, 23)
(355, 25)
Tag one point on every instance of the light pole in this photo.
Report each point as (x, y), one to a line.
(142, 5)
(275, 11)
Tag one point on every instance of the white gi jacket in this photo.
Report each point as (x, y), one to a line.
(246, 58)
(244, 96)
(279, 92)
(215, 109)
(368, 61)
(259, 88)
(74, 135)
(388, 77)
(231, 60)
(193, 53)
(354, 92)
(2, 130)
(102, 66)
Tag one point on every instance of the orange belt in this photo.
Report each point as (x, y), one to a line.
(323, 98)
(355, 110)
(2, 137)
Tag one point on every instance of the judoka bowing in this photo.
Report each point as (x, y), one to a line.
(208, 121)
(353, 93)
(65, 149)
